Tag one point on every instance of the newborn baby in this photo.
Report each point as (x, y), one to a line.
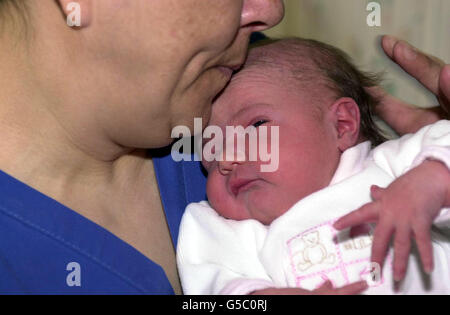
(272, 230)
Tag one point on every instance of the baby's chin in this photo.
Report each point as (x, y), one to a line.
(253, 211)
(232, 212)
(267, 211)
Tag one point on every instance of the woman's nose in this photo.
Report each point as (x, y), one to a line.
(262, 14)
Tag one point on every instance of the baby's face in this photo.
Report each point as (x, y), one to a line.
(308, 152)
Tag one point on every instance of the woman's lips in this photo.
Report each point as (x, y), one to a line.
(238, 186)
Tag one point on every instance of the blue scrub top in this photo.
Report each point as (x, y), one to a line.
(47, 248)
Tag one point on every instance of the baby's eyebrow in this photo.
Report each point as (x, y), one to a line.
(237, 114)
(251, 107)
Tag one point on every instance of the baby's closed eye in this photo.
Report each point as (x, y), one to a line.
(259, 122)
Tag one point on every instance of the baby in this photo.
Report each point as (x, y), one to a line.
(261, 232)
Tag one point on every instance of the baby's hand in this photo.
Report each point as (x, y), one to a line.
(325, 289)
(407, 208)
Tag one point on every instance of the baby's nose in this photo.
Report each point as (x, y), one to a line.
(227, 167)
(230, 160)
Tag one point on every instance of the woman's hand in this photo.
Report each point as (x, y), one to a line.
(431, 72)
(325, 289)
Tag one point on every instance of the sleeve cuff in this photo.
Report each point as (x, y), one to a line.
(438, 153)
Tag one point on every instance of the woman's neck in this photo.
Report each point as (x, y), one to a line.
(77, 165)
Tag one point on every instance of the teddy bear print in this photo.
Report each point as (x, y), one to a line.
(312, 252)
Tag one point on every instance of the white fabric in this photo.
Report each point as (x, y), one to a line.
(301, 248)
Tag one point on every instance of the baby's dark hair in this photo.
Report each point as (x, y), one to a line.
(310, 61)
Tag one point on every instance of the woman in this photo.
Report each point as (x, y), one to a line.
(80, 205)
(79, 105)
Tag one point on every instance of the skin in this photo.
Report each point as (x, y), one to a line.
(308, 144)
(79, 105)
(431, 72)
(325, 289)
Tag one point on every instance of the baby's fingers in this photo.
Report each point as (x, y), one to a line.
(376, 192)
(365, 214)
(423, 241)
(381, 239)
(402, 248)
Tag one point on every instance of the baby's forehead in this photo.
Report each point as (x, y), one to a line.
(272, 84)
(251, 85)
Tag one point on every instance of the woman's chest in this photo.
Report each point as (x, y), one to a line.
(143, 225)
(136, 216)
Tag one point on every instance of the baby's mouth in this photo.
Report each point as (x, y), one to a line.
(241, 185)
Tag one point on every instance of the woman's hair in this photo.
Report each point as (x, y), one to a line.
(314, 64)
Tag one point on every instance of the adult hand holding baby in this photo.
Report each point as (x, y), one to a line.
(431, 72)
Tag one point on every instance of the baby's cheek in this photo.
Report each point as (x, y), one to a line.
(221, 200)
(216, 192)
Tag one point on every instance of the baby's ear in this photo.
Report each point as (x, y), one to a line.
(346, 116)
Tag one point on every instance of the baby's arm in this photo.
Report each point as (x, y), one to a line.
(219, 256)
(410, 205)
